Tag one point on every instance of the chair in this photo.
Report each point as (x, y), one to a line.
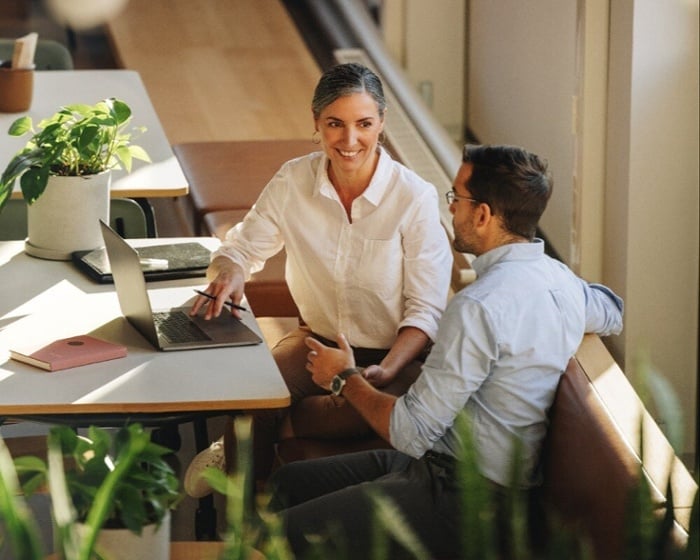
(126, 216)
(49, 54)
(13, 220)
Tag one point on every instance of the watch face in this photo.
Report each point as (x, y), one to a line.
(336, 385)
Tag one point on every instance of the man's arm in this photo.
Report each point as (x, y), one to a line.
(374, 406)
(325, 362)
(604, 310)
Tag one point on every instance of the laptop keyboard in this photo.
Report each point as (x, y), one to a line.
(176, 326)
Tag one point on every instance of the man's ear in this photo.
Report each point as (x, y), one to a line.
(483, 215)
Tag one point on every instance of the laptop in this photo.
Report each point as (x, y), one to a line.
(168, 329)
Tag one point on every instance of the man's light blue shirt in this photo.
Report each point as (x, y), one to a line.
(502, 345)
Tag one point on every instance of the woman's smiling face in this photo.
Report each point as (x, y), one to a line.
(350, 128)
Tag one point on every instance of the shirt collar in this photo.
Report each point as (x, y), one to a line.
(510, 252)
(374, 191)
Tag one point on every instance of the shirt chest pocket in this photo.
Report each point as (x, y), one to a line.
(380, 267)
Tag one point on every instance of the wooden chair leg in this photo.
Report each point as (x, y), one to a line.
(205, 516)
(229, 444)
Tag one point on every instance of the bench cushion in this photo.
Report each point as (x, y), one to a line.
(231, 175)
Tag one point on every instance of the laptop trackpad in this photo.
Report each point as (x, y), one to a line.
(225, 328)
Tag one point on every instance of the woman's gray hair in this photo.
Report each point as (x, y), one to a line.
(346, 79)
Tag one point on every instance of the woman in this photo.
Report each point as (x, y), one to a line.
(366, 256)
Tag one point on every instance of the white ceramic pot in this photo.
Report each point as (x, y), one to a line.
(122, 544)
(66, 216)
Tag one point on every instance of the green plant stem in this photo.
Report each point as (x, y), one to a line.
(105, 495)
(20, 527)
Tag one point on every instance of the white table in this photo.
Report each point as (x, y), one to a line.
(56, 88)
(52, 299)
(46, 300)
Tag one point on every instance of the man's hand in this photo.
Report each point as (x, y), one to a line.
(325, 362)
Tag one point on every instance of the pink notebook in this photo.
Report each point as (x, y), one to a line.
(71, 352)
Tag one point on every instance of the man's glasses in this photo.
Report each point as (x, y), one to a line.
(451, 196)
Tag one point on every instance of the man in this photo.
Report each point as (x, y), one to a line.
(501, 347)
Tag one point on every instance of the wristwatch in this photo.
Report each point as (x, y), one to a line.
(339, 380)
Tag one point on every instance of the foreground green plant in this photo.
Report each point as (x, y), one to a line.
(143, 493)
(20, 531)
(495, 524)
(502, 524)
(117, 482)
(77, 140)
(249, 527)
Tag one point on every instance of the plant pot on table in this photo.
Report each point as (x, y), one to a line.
(66, 216)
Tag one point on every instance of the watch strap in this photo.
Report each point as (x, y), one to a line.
(348, 372)
(338, 383)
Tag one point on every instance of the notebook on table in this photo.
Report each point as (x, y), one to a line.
(158, 262)
(168, 329)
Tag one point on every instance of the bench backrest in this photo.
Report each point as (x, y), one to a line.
(592, 455)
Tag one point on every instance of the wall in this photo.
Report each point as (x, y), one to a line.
(428, 40)
(525, 72)
(607, 90)
(652, 250)
(521, 88)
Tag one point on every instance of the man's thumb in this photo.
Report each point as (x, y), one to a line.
(343, 343)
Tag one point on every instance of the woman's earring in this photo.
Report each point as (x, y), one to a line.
(316, 137)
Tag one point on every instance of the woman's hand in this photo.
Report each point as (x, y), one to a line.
(325, 362)
(228, 282)
(378, 376)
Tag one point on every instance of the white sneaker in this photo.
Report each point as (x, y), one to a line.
(195, 485)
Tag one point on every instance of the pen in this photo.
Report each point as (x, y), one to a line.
(229, 303)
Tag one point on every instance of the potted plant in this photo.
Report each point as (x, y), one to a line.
(120, 492)
(71, 153)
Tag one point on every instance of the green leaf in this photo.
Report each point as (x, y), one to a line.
(33, 183)
(216, 479)
(20, 126)
(478, 540)
(124, 155)
(137, 152)
(19, 526)
(120, 110)
(392, 520)
(87, 135)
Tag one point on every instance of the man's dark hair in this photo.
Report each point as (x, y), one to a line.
(513, 182)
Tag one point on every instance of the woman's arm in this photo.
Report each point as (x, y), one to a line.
(409, 344)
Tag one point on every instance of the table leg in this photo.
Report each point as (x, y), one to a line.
(168, 436)
(205, 516)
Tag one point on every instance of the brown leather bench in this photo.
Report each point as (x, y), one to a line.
(591, 458)
(230, 175)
